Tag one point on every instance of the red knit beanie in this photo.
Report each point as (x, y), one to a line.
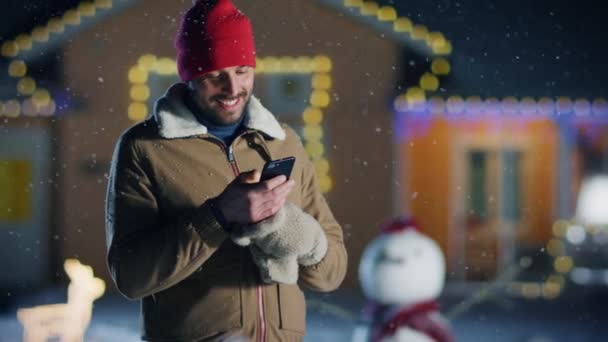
(213, 35)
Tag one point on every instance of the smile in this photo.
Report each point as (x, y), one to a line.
(229, 104)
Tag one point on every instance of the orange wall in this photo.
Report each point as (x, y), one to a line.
(425, 171)
(541, 182)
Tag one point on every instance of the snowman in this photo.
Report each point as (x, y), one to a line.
(402, 272)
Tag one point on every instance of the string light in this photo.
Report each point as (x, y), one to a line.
(41, 98)
(26, 86)
(321, 166)
(12, 108)
(325, 183)
(322, 64)
(509, 105)
(10, 49)
(319, 98)
(312, 116)
(105, 4)
(138, 74)
(582, 107)
(563, 105)
(17, 68)
(528, 106)
(440, 66)
(28, 108)
(420, 32)
(559, 228)
(437, 42)
(562, 263)
(545, 105)
(455, 105)
(369, 8)
(387, 13)
(315, 149)
(24, 41)
(55, 25)
(443, 49)
(429, 82)
(71, 17)
(304, 64)
(287, 64)
(40, 34)
(165, 66)
(600, 106)
(415, 96)
(353, 3)
(137, 111)
(555, 247)
(267, 65)
(140, 92)
(321, 81)
(403, 25)
(86, 9)
(146, 62)
(312, 132)
(41, 101)
(436, 105)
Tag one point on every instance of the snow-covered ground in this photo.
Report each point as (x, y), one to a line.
(576, 316)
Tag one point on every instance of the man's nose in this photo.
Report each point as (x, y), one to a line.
(231, 85)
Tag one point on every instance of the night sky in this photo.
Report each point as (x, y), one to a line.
(500, 48)
(19, 16)
(521, 47)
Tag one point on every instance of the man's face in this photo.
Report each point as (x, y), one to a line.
(223, 94)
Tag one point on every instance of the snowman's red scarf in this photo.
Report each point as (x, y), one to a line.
(405, 317)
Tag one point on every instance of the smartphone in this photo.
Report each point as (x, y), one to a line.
(278, 167)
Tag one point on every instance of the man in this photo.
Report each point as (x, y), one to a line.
(176, 191)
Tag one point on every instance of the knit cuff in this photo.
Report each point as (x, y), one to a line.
(219, 216)
(205, 223)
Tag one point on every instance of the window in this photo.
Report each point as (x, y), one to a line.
(477, 206)
(511, 185)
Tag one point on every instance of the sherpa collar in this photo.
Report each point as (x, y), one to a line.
(175, 120)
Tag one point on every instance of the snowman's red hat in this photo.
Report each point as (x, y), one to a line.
(400, 224)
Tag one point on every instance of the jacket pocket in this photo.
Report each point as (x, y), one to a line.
(199, 307)
(292, 308)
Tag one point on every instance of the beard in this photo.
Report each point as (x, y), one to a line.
(218, 116)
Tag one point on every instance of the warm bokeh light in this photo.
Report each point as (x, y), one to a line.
(592, 206)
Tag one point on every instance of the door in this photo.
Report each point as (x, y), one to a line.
(488, 211)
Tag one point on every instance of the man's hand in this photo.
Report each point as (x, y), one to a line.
(247, 201)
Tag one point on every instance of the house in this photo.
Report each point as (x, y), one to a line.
(493, 179)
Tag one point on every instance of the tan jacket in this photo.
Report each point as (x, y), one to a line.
(166, 248)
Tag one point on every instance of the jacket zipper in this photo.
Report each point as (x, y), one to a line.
(235, 168)
(260, 294)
